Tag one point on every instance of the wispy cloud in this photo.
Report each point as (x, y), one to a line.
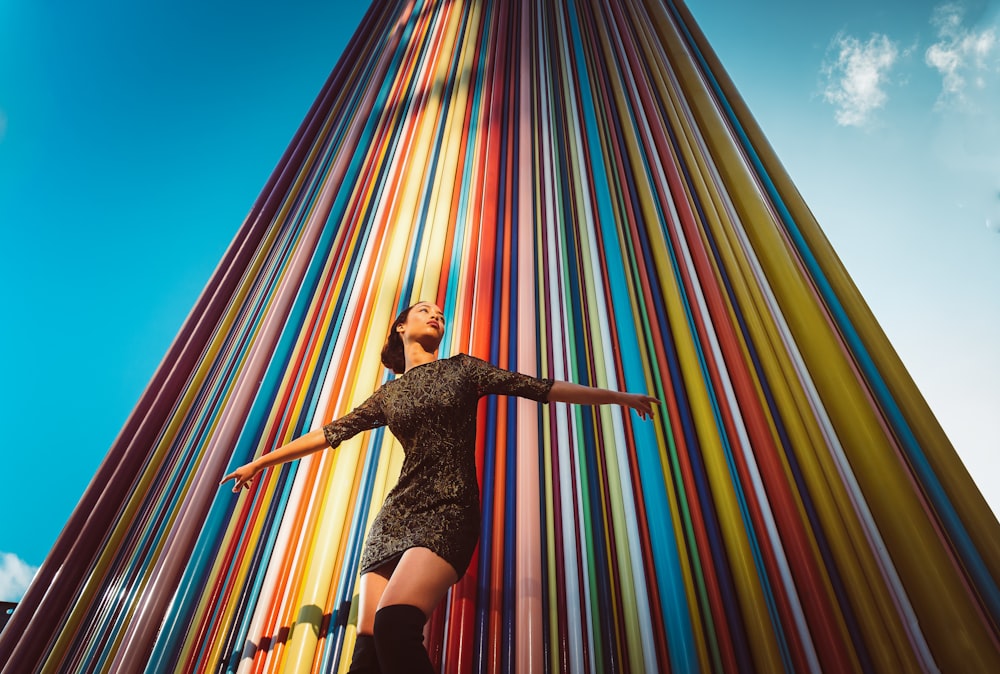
(857, 76)
(963, 56)
(3, 124)
(15, 575)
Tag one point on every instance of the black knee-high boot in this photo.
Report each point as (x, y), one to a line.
(365, 658)
(399, 640)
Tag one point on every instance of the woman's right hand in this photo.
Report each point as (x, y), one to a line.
(313, 441)
(243, 475)
(640, 402)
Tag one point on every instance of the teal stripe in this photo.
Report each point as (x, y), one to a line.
(666, 556)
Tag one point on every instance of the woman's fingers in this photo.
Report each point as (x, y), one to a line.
(644, 405)
(243, 477)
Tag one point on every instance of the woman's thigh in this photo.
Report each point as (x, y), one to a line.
(421, 579)
(370, 591)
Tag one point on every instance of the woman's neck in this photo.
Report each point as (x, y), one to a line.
(415, 354)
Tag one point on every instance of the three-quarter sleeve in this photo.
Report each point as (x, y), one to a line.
(491, 379)
(369, 414)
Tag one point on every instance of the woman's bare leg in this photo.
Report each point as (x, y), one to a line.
(369, 595)
(421, 579)
(364, 660)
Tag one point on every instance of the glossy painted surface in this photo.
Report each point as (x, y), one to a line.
(582, 189)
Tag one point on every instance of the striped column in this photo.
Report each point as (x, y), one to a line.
(580, 186)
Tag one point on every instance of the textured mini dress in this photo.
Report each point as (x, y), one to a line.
(431, 409)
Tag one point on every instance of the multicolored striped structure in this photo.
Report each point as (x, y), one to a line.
(580, 186)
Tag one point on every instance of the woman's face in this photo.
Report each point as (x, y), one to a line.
(425, 322)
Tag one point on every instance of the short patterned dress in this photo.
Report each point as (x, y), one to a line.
(431, 409)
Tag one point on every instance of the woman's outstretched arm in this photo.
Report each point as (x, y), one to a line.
(313, 441)
(367, 415)
(565, 392)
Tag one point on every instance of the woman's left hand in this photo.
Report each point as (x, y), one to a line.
(243, 475)
(565, 392)
(640, 402)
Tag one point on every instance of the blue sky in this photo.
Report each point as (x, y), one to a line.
(134, 137)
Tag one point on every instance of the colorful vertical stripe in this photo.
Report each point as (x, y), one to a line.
(579, 184)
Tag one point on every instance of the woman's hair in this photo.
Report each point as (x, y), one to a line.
(392, 353)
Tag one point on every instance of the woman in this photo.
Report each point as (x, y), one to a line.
(422, 540)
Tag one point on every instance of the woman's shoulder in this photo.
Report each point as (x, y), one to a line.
(464, 360)
(456, 360)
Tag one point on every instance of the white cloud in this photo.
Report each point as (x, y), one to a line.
(3, 124)
(857, 77)
(15, 575)
(962, 56)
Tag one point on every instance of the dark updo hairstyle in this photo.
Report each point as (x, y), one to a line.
(392, 353)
